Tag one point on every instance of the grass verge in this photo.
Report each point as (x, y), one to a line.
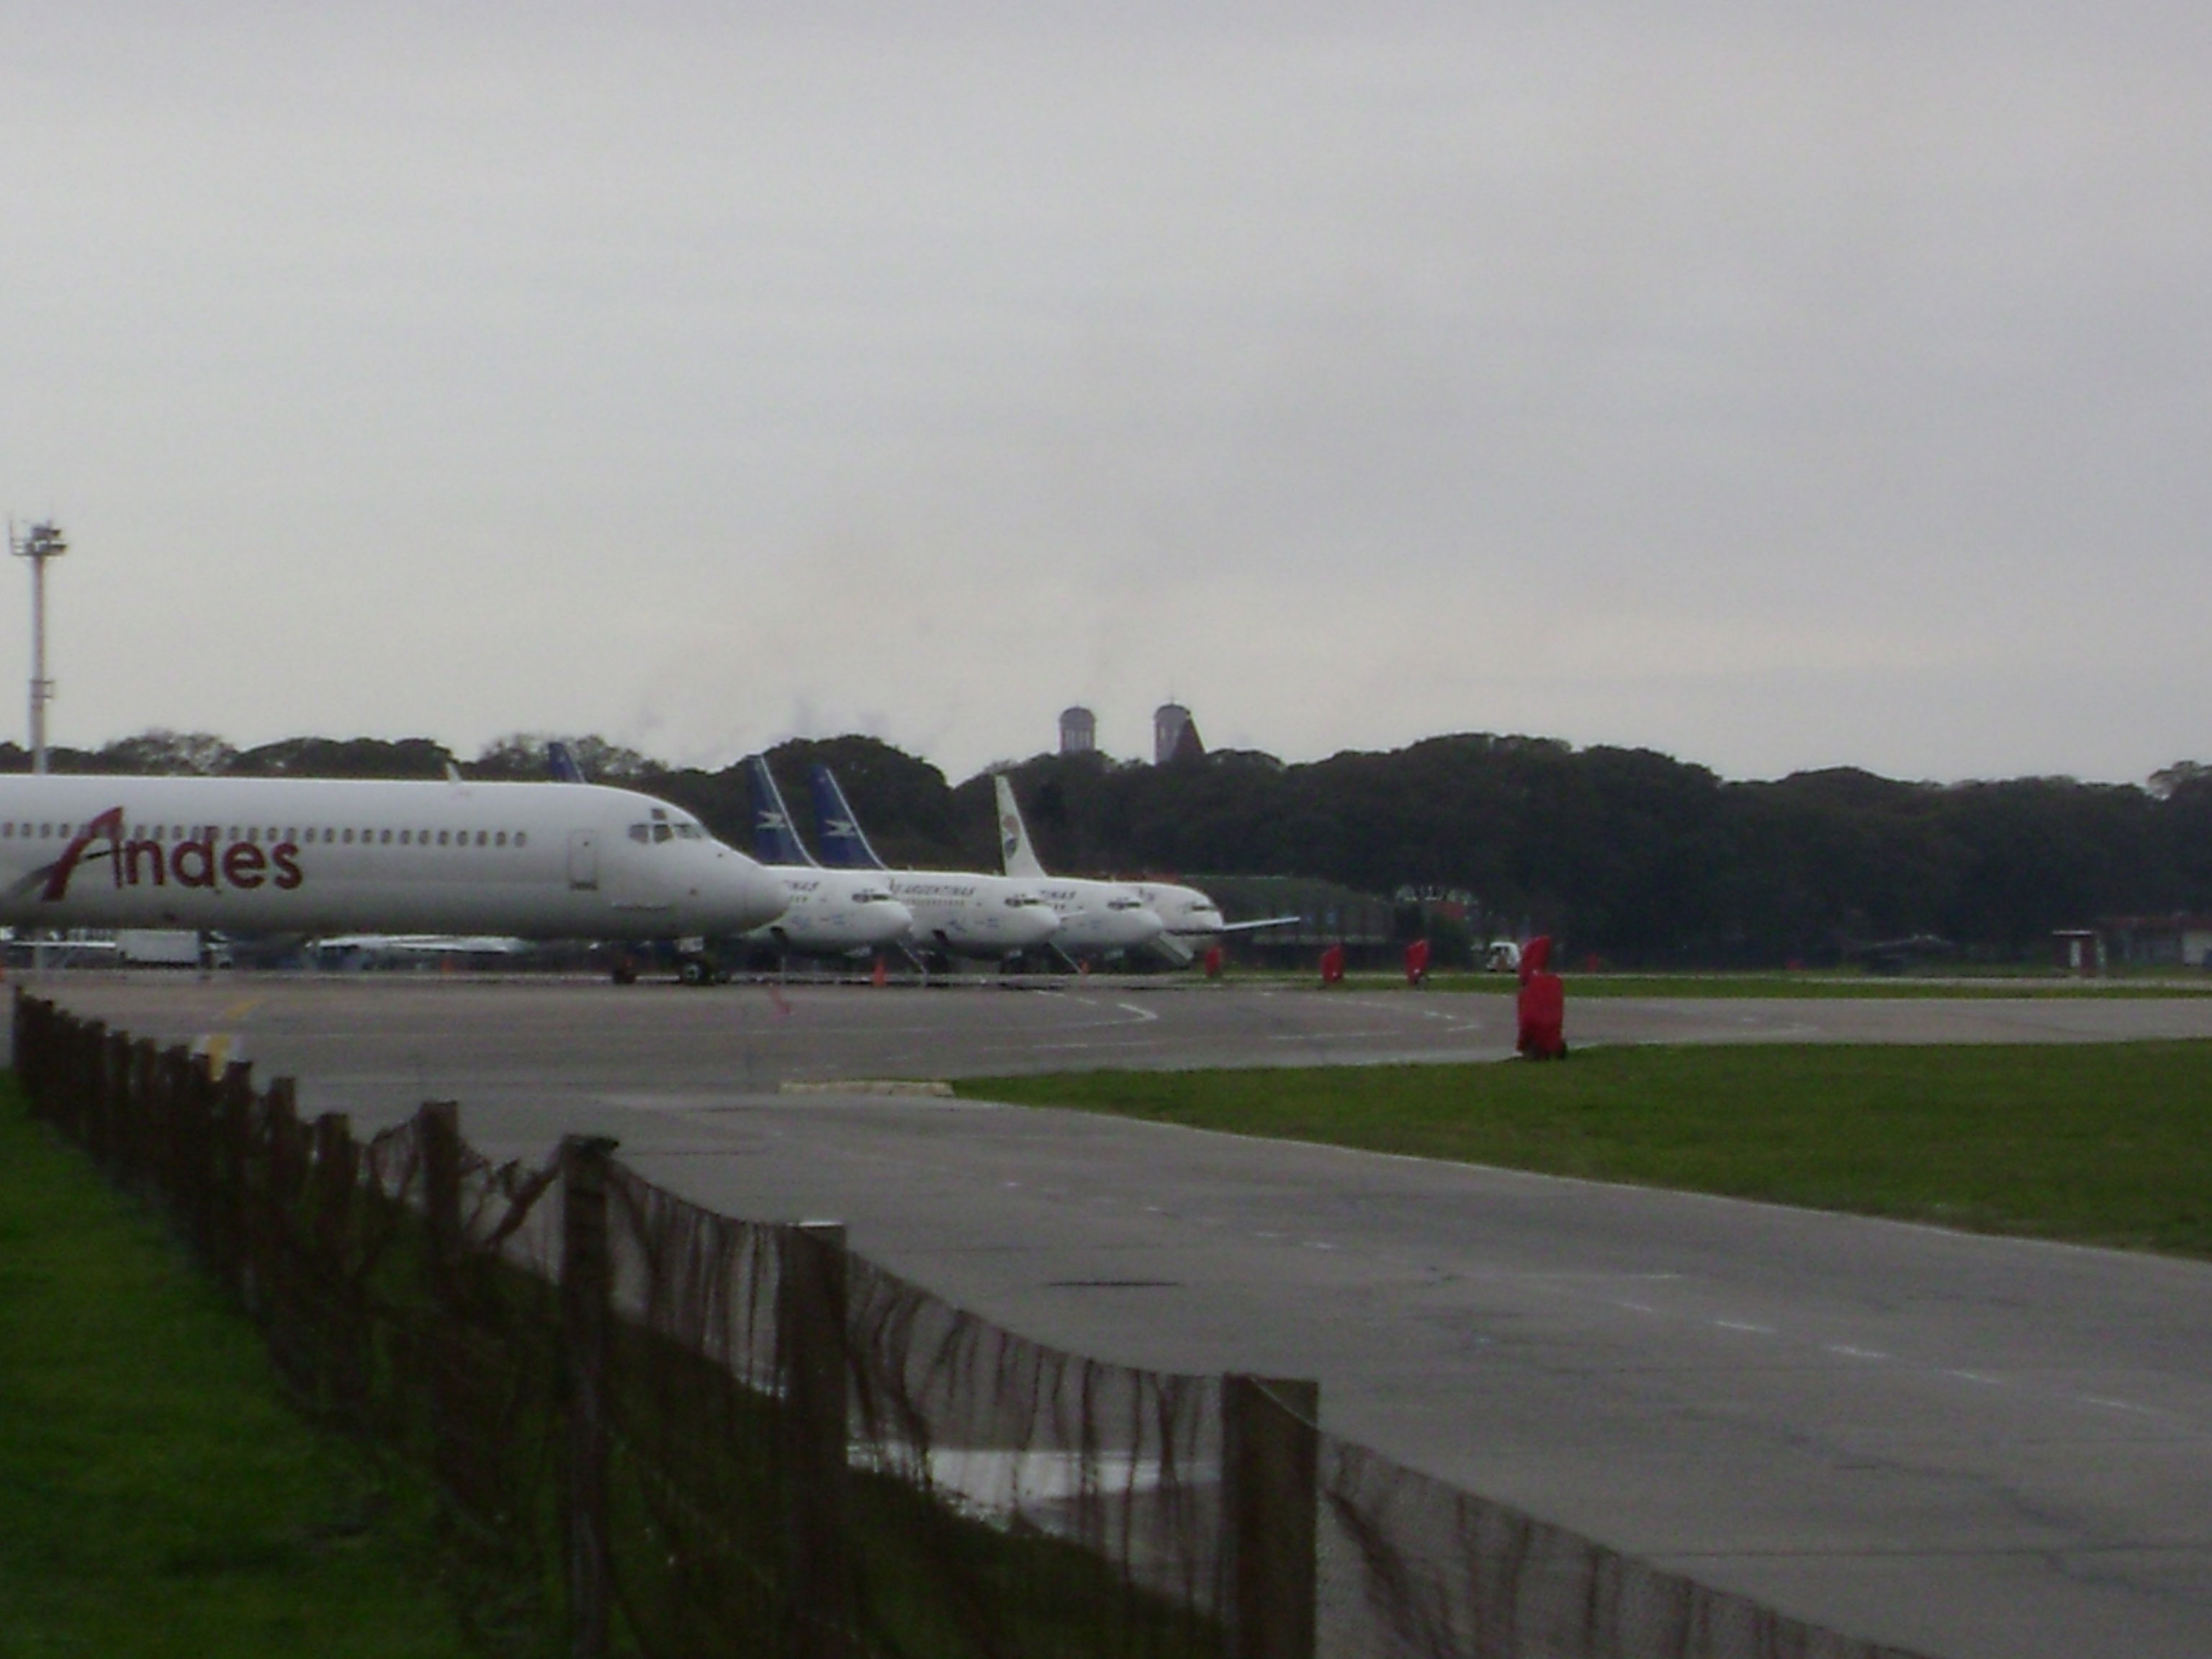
(157, 1497)
(2105, 1143)
(1846, 986)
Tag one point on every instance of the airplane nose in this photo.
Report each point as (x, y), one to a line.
(1041, 924)
(1145, 926)
(891, 921)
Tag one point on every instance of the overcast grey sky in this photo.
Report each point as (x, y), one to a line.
(1779, 386)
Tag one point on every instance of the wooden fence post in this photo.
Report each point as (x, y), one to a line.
(233, 1128)
(810, 1345)
(1271, 1472)
(586, 1297)
(340, 1344)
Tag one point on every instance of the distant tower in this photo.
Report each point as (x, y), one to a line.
(1175, 734)
(39, 544)
(1079, 730)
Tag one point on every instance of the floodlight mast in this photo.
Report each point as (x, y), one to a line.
(37, 544)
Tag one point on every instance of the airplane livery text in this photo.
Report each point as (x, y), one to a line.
(194, 862)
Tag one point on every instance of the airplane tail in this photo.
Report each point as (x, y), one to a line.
(1019, 857)
(775, 838)
(561, 763)
(844, 844)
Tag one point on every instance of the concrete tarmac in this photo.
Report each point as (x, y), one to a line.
(1967, 1445)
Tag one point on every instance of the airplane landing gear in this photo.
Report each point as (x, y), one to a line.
(700, 970)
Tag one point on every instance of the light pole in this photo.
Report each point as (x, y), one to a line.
(39, 544)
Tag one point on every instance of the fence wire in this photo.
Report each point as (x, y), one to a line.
(658, 1431)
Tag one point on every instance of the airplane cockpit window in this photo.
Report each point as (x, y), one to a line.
(662, 832)
(691, 832)
(640, 833)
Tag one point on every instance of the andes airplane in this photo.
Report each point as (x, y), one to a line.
(1096, 918)
(990, 917)
(321, 856)
(833, 913)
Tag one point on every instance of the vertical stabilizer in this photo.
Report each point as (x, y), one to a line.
(1020, 858)
(844, 844)
(775, 838)
(562, 763)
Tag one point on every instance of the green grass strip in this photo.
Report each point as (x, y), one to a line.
(1846, 986)
(2103, 1143)
(157, 1497)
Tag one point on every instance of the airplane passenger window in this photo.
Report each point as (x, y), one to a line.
(347, 838)
(445, 837)
(522, 838)
(45, 830)
(384, 837)
(406, 837)
(480, 838)
(501, 840)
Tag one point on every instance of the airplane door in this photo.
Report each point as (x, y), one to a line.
(583, 860)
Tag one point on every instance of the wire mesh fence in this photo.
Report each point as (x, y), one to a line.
(658, 1431)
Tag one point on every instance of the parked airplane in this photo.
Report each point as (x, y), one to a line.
(1096, 918)
(990, 917)
(320, 856)
(834, 913)
(1194, 921)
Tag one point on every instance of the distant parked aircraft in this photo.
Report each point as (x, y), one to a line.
(313, 856)
(1096, 918)
(833, 913)
(955, 911)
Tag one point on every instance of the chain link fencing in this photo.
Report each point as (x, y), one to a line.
(658, 1431)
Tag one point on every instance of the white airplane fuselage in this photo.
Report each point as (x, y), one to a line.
(835, 913)
(345, 855)
(1099, 917)
(989, 917)
(1188, 914)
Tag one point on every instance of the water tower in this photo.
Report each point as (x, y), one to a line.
(1079, 730)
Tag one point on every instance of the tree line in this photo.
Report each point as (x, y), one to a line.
(1627, 853)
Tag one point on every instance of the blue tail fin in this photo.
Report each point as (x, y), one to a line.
(561, 762)
(775, 838)
(844, 844)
